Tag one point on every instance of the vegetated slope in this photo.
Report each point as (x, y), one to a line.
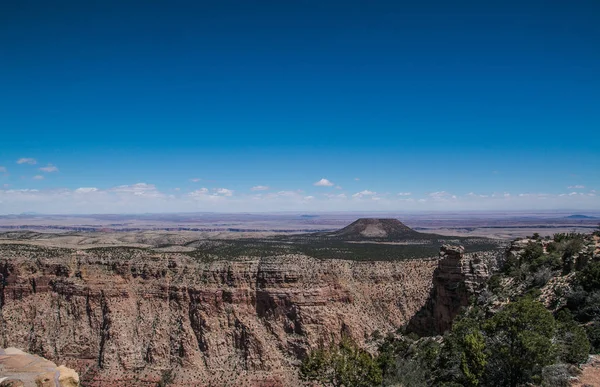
(534, 321)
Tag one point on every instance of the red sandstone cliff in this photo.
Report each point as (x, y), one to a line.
(458, 277)
(129, 317)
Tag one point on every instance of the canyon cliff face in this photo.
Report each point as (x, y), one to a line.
(133, 317)
(458, 277)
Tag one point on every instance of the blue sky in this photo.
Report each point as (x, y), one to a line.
(185, 106)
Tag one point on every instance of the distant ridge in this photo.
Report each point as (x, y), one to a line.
(578, 216)
(376, 228)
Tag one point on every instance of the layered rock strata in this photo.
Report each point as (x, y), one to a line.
(457, 278)
(132, 317)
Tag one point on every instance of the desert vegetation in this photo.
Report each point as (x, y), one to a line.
(537, 319)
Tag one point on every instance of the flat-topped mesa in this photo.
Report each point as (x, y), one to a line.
(376, 228)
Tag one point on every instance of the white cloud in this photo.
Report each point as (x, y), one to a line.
(26, 160)
(324, 183)
(284, 194)
(260, 188)
(534, 195)
(195, 179)
(224, 191)
(357, 178)
(404, 193)
(143, 197)
(576, 187)
(446, 197)
(439, 194)
(86, 190)
(3, 170)
(38, 177)
(335, 196)
(338, 187)
(472, 194)
(49, 168)
(364, 193)
(138, 189)
(199, 192)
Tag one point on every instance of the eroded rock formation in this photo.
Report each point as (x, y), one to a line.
(132, 317)
(458, 277)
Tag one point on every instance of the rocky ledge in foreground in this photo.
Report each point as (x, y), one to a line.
(20, 369)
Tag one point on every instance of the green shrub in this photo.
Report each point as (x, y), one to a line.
(556, 375)
(589, 277)
(520, 342)
(551, 261)
(531, 252)
(408, 372)
(592, 330)
(574, 345)
(494, 283)
(339, 365)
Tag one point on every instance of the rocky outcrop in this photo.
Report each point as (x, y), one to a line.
(20, 369)
(458, 277)
(133, 317)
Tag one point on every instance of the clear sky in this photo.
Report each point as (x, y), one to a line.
(157, 106)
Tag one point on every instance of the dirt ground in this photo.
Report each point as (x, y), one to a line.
(590, 377)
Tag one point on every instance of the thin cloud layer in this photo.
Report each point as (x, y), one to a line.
(260, 188)
(26, 160)
(224, 191)
(145, 197)
(49, 168)
(86, 190)
(364, 193)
